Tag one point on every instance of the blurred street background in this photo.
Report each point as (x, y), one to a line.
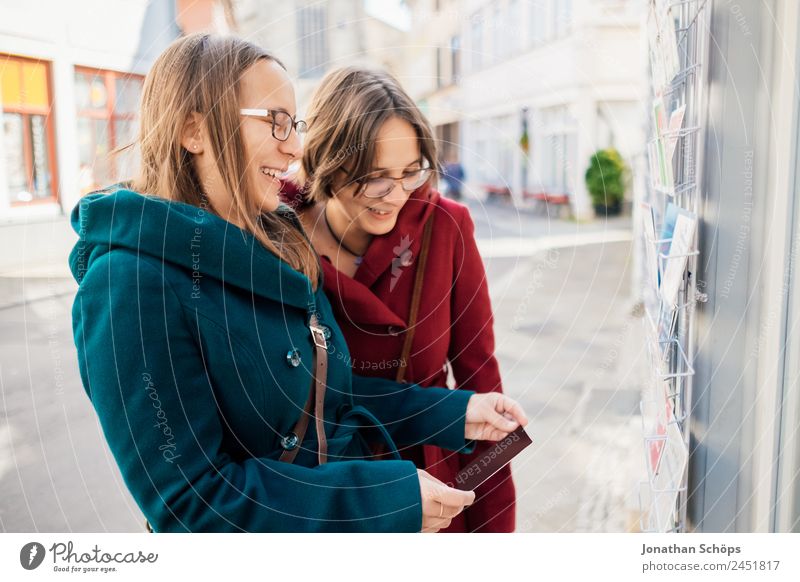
(521, 94)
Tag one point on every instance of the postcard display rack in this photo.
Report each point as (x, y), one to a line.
(677, 42)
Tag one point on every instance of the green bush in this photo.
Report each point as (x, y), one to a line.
(605, 178)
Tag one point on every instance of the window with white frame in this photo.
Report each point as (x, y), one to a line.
(549, 19)
(538, 16)
(509, 146)
(438, 56)
(455, 59)
(555, 164)
(562, 17)
(476, 41)
(514, 28)
(499, 34)
(493, 141)
(312, 29)
(477, 151)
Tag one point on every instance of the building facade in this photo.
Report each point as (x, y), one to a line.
(524, 91)
(70, 85)
(311, 38)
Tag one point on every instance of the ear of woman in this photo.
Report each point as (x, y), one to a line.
(192, 137)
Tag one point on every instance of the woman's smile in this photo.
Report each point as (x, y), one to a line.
(273, 175)
(379, 214)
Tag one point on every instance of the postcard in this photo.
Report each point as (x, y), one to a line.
(675, 124)
(494, 459)
(682, 240)
(666, 180)
(651, 252)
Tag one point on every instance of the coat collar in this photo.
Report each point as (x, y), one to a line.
(354, 297)
(187, 236)
(355, 301)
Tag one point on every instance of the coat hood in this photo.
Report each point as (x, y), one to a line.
(188, 237)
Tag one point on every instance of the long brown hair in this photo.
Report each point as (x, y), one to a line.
(346, 113)
(200, 73)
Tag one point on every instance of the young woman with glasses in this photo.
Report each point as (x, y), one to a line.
(207, 346)
(400, 262)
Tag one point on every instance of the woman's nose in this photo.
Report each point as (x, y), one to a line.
(292, 146)
(397, 194)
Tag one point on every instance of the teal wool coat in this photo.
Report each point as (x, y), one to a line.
(194, 348)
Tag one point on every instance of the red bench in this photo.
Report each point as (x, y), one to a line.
(543, 200)
(499, 191)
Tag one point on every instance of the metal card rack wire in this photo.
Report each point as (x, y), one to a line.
(670, 328)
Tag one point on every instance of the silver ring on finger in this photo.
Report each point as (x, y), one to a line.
(441, 510)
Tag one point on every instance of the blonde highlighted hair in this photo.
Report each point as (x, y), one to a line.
(200, 73)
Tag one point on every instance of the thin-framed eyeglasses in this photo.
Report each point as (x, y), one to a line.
(282, 122)
(380, 187)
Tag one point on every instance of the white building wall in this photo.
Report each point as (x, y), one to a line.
(119, 35)
(352, 37)
(588, 69)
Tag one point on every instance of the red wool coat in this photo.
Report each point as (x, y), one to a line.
(454, 325)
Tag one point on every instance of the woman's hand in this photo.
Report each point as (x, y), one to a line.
(491, 416)
(440, 503)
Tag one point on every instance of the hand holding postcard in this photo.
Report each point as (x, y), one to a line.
(473, 475)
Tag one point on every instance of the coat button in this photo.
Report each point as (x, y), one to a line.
(290, 441)
(326, 331)
(394, 330)
(293, 358)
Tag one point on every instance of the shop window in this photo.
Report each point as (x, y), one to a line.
(312, 26)
(28, 137)
(107, 107)
(557, 154)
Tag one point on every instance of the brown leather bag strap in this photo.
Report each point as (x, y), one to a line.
(300, 428)
(316, 398)
(321, 382)
(415, 299)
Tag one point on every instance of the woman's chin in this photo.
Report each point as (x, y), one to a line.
(270, 198)
(378, 227)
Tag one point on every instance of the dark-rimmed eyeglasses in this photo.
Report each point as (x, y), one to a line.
(380, 187)
(282, 122)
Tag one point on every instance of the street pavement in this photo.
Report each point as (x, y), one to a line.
(568, 341)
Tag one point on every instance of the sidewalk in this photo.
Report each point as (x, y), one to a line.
(17, 289)
(572, 353)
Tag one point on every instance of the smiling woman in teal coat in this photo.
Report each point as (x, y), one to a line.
(200, 323)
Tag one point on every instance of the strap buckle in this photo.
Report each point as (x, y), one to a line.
(318, 335)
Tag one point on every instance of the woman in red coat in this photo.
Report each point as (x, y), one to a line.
(369, 157)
